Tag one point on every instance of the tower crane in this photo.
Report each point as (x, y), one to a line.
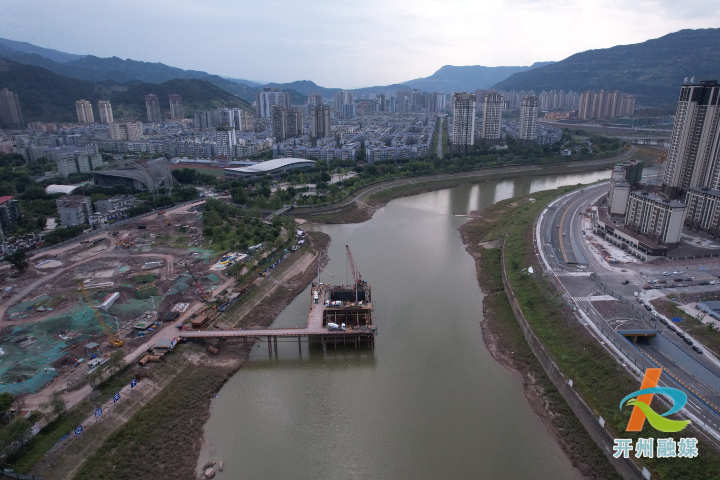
(113, 338)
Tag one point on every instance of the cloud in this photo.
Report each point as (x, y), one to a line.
(342, 42)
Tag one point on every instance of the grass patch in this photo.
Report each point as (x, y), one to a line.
(162, 439)
(709, 337)
(596, 375)
(24, 459)
(508, 337)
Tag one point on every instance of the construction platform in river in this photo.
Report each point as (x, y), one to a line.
(339, 314)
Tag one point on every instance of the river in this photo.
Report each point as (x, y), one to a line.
(429, 402)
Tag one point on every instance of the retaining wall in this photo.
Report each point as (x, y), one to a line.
(624, 466)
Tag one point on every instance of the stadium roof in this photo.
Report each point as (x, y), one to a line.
(272, 165)
(66, 189)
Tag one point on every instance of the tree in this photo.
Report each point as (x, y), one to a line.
(57, 403)
(6, 401)
(18, 431)
(45, 409)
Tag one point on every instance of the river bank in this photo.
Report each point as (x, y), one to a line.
(505, 341)
(369, 202)
(162, 437)
(566, 345)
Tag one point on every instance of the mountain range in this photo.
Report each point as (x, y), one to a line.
(49, 81)
(652, 70)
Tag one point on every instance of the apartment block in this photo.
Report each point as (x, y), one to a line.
(10, 112)
(492, 119)
(74, 210)
(130, 131)
(152, 105)
(83, 108)
(267, 98)
(225, 139)
(656, 217)
(105, 109)
(528, 121)
(176, 107)
(693, 156)
(463, 126)
(115, 204)
(320, 122)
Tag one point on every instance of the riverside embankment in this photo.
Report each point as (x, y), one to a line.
(545, 341)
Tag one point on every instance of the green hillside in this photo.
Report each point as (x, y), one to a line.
(196, 95)
(45, 96)
(653, 70)
(48, 97)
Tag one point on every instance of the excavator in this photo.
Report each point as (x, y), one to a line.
(113, 338)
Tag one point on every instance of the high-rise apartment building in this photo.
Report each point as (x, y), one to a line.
(315, 99)
(492, 118)
(294, 122)
(267, 98)
(380, 102)
(320, 122)
(83, 108)
(176, 107)
(348, 111)
(287, 123)
(694, 153)
(341, 98)
(10, 112)
(152, 104)
(528, 121)
(279, 122)
(225, 139)
(105, 109)
(463, 127)
(602, 104)
(130, 131)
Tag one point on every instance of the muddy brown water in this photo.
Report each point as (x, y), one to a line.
(429, 402)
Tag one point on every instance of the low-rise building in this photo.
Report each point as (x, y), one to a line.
(115, 204)
(74, 210)
(72, 159)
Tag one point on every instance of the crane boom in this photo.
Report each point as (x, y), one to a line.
(204, 297)
(357, 278)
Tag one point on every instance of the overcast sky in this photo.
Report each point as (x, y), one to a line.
(341, 43)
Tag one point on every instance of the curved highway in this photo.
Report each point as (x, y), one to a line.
(567, 255)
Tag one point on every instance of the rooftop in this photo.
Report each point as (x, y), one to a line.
(271, 165)
(659, 199)
(6, 198)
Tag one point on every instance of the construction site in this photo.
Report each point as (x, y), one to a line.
(77, 304)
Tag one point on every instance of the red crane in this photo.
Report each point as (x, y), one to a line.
(357, 278)
(204, 297)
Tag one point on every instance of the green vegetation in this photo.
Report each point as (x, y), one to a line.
(196, 95)
(45, 96)
(49, 97)
(230, 227)
(509, 339)
(28, 450)
(653, 70)
(596, 376)
(161, 439)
